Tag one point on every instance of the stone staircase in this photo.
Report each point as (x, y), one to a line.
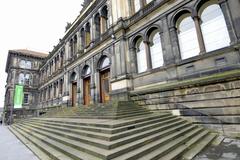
(146, 136)
(113, 110)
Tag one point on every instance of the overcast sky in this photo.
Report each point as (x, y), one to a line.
(34, 25)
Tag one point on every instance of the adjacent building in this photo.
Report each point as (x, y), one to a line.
(163, 54)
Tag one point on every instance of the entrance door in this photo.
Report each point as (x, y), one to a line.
(87, 91)
(74, 94)
(105, 86)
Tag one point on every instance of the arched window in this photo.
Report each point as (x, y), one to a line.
(86, 71)
(187, 37)
(87, 35)
(137, 5)
(73, 77)
(104, 19)
(141, 56)
(156, 49)
(27, 79)
(28, 64)
(105, 63)
(21, 78)
(97, 26)
(214, 29)
(82, 33)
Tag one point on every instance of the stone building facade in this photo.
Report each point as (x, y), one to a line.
(23, 69)
(163, 54)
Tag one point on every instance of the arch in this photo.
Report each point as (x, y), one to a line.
(134, 39)
(178, 14)
(86, 71)
(104, 62)
(73, 76)
(150, 30)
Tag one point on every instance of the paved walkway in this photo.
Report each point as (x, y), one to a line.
(11, 148)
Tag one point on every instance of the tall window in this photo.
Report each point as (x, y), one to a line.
(24, 79)
(97, 26)
(21, 78)
(137, 5)
(141, 56)
(25, 64)
(214, 29)
(187, 36)
(104, 19)
(156, 49)
(87, 35)
(26, 98)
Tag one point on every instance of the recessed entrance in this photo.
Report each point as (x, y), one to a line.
(87, 91)
(74, 94)
(105, 86)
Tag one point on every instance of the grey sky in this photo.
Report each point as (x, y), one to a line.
(34, 25)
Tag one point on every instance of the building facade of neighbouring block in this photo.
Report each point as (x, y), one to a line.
(177, 55)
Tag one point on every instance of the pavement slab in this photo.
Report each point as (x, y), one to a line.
(13, 149)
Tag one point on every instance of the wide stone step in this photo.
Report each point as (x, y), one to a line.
(37, 151)
(107, 124)
(169, 149)
(176, 148)
(65, 145)
(103, 153)
(50, 151)
(105, 144)
(103, 116)
(152, 142)
(148, 120)
(112, 113)
(133, 129)
(198, 147)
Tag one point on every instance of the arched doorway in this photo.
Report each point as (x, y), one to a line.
(104, 80)
(74, 89)
(86, 75)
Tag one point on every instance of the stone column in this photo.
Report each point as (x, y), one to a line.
(148, 56)
(227, 15)
(175, 45)
(133, 60)
(233, 7)
(199, 34)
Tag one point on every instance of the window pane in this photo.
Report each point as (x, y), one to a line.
(137, 5)
(105, 63)
(25, 100)
(21, 78)
(187, 37)
(148, 1)
(156, 51)
(28, 65)
(27, 79)
(214, 29)
(22, 64)
(141, 57)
